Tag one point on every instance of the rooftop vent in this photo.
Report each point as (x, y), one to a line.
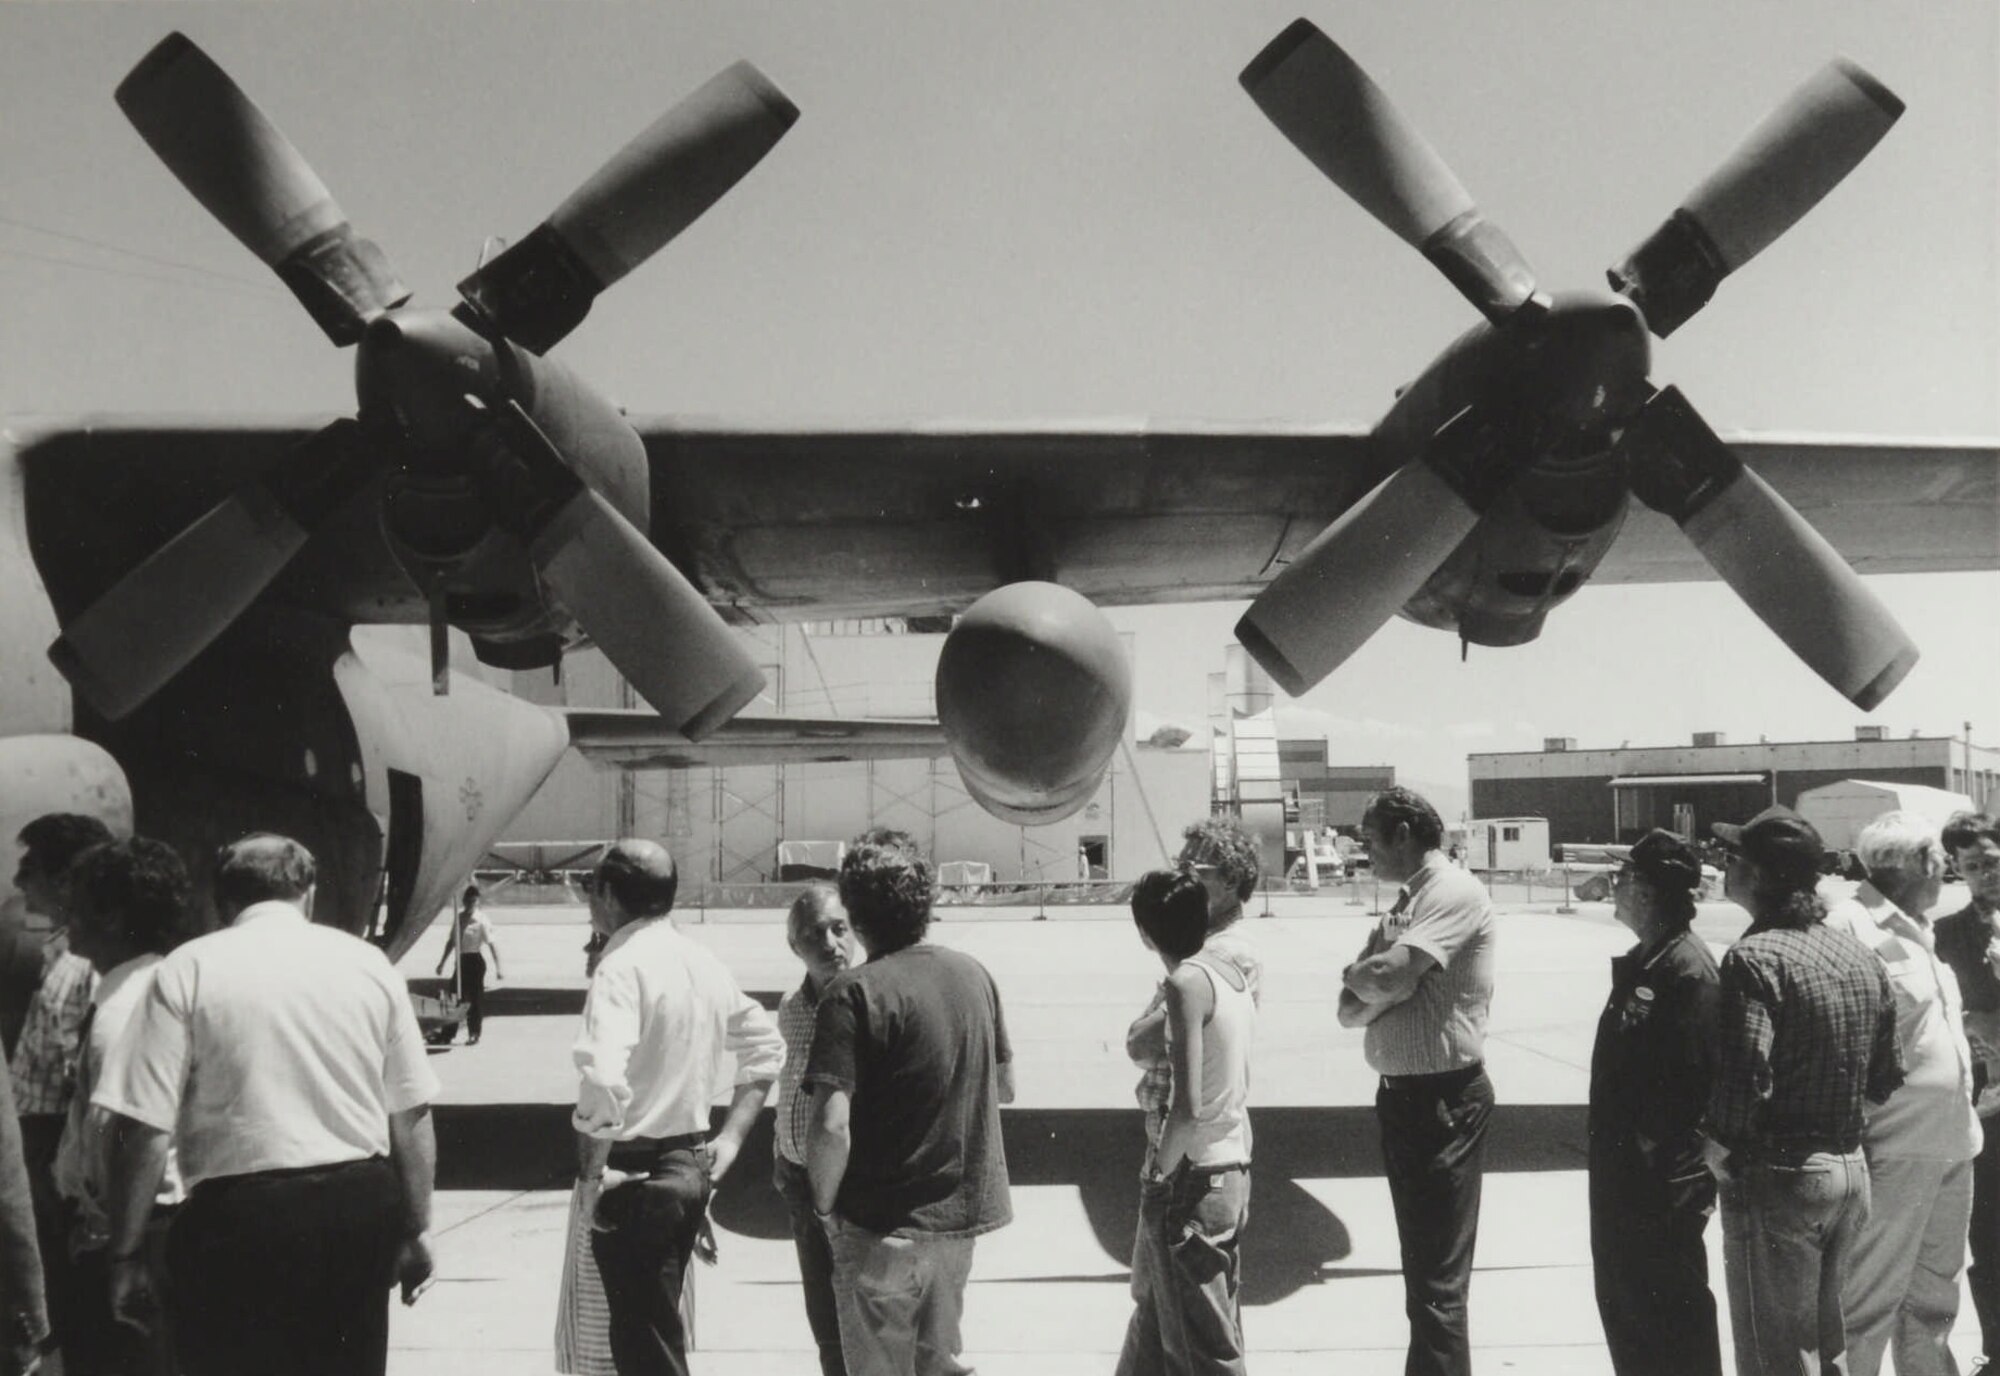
(1554, 744)
(1708, 740)
(1871, 733)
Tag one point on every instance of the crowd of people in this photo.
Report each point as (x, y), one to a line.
(217, 1153)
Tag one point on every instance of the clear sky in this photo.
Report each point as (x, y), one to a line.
(1044, 210)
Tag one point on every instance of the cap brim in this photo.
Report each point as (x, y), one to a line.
(1728, 833)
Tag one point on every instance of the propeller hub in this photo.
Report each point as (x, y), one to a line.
(430, 375)
(1583, 365)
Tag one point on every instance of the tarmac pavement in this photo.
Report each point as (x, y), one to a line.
(1049, 1296)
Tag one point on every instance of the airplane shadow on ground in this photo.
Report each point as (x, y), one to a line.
(1292, 1236)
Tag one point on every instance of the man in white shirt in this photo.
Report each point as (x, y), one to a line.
(1901, 1284)
(283, 1060)
(662, 1022)
(127, 906)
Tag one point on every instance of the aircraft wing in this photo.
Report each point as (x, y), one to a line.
(812, 523)
(641, 740)
(786, 525)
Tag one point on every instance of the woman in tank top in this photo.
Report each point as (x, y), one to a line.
(1186, 1259)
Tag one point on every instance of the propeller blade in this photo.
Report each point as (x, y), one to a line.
(248, 176)
(540, 289)
(1782, 170)
(1374, 558)
(639, 609)
(148, 625)
(1332, 112)
(1784, 570)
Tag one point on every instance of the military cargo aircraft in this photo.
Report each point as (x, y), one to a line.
(205, 589)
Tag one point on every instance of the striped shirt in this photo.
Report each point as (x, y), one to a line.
(796, 1013)
(1445, 913)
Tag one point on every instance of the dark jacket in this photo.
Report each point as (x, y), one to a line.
(1653, 1064)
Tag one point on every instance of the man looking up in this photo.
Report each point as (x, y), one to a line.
(817, 930)
(1650, 1075)
(283, 1061)
(1808, 1030)
(910, 1064)
(663, 1019)
(1902, 1279)
(1421, 986)
(1969, 941)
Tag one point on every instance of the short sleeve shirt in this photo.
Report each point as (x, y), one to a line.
(272, 1044)
(917, 1038)
(1445, 913)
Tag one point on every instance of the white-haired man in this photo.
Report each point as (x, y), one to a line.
(1902, 1280)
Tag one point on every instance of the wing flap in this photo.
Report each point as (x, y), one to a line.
(644, 740)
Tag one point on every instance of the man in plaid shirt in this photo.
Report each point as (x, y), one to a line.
(1808, 1030)
(41, 1065)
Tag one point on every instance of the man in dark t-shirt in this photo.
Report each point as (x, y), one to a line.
(911, 1062)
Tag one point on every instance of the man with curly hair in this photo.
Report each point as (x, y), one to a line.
(128, 906)
(911, 1064)
(1808, 1031)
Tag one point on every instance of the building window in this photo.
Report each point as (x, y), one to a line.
(1510, 833)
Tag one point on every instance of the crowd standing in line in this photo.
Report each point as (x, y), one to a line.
(242, 1163)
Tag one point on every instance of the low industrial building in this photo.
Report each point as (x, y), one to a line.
(1616, 795)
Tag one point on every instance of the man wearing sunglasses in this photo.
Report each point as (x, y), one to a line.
(1651, 1071)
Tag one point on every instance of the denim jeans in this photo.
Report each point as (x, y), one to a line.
(815, 1262)
(1786, 1233)
(900, 1299)
(1187, 1272)
(1434, 1149)
(644, 1234)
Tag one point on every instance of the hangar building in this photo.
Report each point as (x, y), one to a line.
(1615, 795)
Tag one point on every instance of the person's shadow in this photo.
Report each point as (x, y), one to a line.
(1293, 1240)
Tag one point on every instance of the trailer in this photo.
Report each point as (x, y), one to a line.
(1501, 843)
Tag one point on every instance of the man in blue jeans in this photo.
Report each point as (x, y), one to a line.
(910, 1064)
(1808, 1030)
(662, 1023)
(1422, 986)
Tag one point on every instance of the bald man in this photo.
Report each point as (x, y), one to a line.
(283, 1060)
(662, 1024)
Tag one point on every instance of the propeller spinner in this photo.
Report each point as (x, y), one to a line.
(1381, 552)
(468, 399)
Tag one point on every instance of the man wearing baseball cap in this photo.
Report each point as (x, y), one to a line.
(1651, 1072)
(1808, 1030)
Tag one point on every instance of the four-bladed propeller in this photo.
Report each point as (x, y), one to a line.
(473, 426)
(1381, 552)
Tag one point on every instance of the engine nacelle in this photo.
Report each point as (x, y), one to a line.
(1034, 694)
